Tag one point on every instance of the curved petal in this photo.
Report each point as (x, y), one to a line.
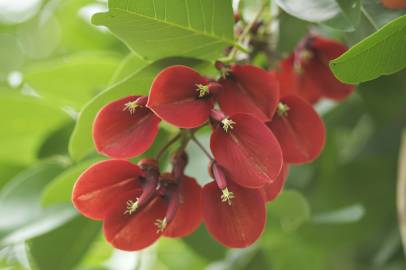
(135, 231)
(301, 132)
(250, 90)
(119, 132)
(189, 213)
(98, 186)
(175, 99)
(249, 152)
(239, 224)
(272, 190)
(292, 82)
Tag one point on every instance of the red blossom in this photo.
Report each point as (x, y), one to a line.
(306, 72)
(251, 90)
(299, 130)
(272, 190)
(246, 148)
(125, 128)
(181, 96)
(237, 222)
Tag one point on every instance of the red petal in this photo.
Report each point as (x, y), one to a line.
(189, 213)
(394, 4)
(251, 90)
(249, 153)
(272, 190)
(135, 231)
(294, 83)
(98, 186)
(301, 133)
(119, 133)
(318, 70)
(239, 224)
(173, 97)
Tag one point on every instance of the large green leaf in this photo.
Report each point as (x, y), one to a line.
(25, 122)
(384, 52)
(74, 80)
(340, 14)
(64, 247)
(161, 28)
(20, 204)
(81, 143)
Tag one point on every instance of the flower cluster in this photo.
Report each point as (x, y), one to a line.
(260, 123)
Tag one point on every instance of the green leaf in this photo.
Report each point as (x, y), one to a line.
(200, 240)
(128, 66)
(59, 191)
(20, 203)
(56, 142)
(158, 29)
(81, 143)
(72, 81)
(25, 122)
(291, 210)
(383, 52)
(64, 247)
(339, 14)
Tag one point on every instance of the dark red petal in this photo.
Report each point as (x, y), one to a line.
(250, 90)
(189, 213)
(174, 97)
(318, 70)
(98, 186)
(394, 4)
(119, 133)
(135, 231)
(249, 153)
(301, 132)
(272, 190)
(239, 224)
(292, 82)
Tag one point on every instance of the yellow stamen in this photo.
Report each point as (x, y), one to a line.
(227, 124)
(227, 196)
(202, 89)
(161, 225)
(282, 109)
(131, 207)
(131, 106)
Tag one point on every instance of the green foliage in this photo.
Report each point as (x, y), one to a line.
(159, 29)
(381, 53)
(73, 80)
(64, 247)
(28, 115)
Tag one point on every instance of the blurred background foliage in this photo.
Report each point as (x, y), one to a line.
(337, 213)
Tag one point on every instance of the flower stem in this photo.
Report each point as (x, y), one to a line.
(167, 145)
(233, 53)
(196, 141)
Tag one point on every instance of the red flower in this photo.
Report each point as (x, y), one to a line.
(306, 72)
(135, 205)
(394, 4)
(272, 190)
(125, 128)
(249, 89)
(234, 216)
(299, 130)
(181, 96)
(246, 149)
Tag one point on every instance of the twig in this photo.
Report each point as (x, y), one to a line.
(167, 145)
